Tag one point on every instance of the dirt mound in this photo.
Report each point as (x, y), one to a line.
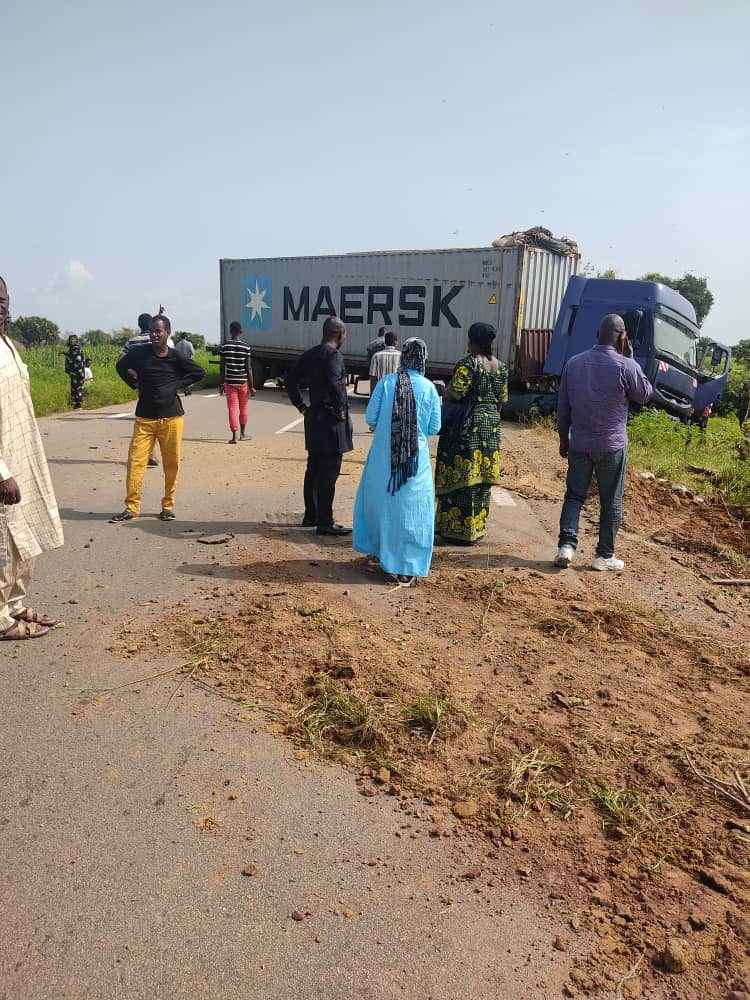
(652, 508)
(553, 722)
(689, 522)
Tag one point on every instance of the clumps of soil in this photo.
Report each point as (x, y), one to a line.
(686, 521)
(531, 711)
(706, 526)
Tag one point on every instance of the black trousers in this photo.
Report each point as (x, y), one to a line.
(320, 486)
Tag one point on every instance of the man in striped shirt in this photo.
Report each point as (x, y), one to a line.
(386, 361)
(236, 380)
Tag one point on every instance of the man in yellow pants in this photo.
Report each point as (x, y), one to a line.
(158, 373)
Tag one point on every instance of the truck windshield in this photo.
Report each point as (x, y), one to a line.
(675, 340)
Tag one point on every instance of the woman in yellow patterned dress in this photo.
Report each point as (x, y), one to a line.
(468, 457)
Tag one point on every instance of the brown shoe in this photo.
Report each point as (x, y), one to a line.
(23, 630)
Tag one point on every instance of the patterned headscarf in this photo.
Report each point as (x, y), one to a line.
(404, 434)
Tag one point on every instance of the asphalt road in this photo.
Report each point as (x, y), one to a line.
(108, 889)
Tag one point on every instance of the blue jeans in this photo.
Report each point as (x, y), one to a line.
(610, 478)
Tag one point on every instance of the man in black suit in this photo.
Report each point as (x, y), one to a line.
(328, 426)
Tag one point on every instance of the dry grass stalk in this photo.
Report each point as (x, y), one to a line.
(736, 791)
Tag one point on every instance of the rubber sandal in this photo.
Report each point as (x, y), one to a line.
(25, 631)
(124, 516)
(167, 515)
(29, 616)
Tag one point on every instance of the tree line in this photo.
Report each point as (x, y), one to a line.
(36, 331)
(32, 331)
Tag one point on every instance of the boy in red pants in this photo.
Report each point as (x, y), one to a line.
(236, 381)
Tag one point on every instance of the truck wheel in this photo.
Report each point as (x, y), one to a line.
(260, 374)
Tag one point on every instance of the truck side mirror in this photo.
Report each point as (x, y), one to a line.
(632, 320)
(717, 356)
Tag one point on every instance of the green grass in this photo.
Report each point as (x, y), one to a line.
(427, 714)
(668, 448)
(50, 386)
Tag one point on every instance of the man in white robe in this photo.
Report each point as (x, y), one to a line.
(29, 520)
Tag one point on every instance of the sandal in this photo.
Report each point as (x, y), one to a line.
(167, 515)
(124, 516)
(23, 630)
(32, 617)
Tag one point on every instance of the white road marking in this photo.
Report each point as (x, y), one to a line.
(502, 498)
(208, 395)
(118, 416)
(294, 423)
(288, 427)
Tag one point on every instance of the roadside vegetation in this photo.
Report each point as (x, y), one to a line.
(716, 462)
(50, 386)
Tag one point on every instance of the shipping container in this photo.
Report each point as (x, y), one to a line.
(283, 302)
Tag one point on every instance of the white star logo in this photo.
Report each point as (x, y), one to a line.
(257, 303)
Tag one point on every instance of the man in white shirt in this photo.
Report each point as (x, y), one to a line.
(29, 520)
(386, 361)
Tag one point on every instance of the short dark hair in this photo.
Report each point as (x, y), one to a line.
(165, 321)
(382, 331)
(332, 327)
(144, 321)
(482, 335)
(235, 327)
(611, 329)
(390, 339)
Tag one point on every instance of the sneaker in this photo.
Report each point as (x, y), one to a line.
(124, 516)
(602, 565)
(564, 556)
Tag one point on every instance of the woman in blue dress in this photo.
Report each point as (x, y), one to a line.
(394, 512)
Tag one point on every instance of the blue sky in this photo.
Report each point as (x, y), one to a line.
(144, 141)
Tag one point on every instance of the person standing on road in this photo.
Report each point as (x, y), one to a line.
(378, 344)
(385, 362)
(596, 390)
(29, 520)
(184, 349)
(157, 372)
(75, 368)
(236, 380)
(468, 455)
(143, 339)
(328, 426)
(394, 511)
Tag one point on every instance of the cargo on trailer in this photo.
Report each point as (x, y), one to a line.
(517, 285)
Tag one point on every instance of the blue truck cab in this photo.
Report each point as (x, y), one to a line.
(687, 372)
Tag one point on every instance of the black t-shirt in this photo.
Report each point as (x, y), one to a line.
(159, 380)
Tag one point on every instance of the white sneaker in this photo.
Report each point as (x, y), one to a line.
(564, 556)
(601, 564)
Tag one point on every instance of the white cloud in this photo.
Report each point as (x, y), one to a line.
(72, 277)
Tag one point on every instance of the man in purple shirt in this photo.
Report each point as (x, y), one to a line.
(596, 390)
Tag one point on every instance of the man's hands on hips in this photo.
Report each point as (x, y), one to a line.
(9, 491)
